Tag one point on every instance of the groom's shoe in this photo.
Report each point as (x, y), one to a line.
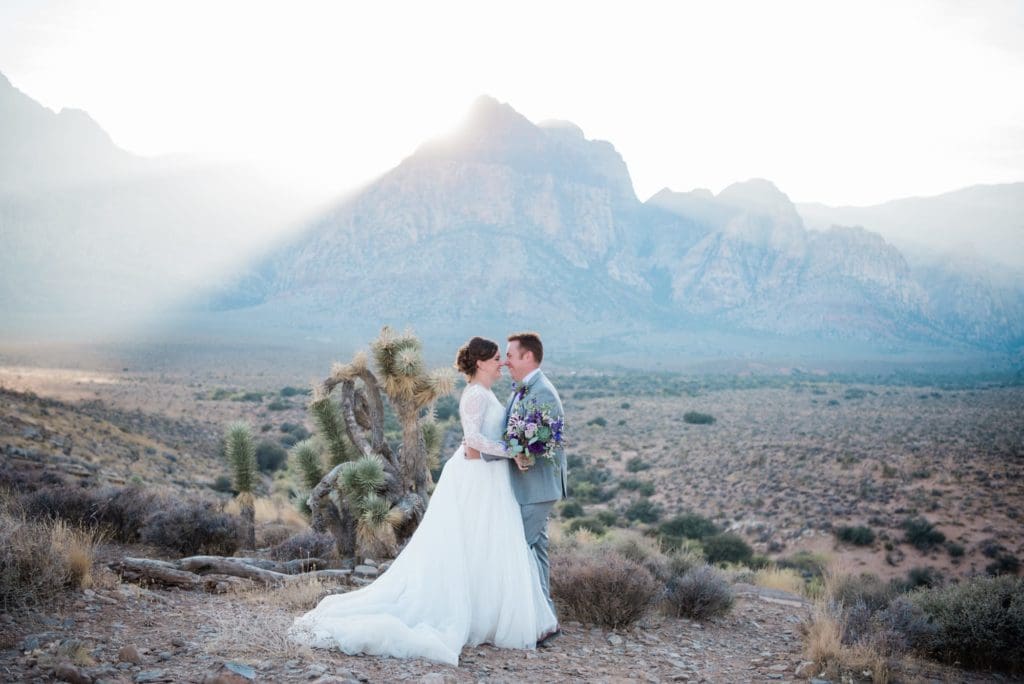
(547, 638)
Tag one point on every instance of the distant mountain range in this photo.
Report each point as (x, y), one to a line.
(507, 224)
(93, 236)
(512, 224)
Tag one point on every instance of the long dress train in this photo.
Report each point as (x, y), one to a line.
(465, 577)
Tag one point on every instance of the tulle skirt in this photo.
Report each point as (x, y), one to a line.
(465, 577)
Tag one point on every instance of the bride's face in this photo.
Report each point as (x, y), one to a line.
(490, 370)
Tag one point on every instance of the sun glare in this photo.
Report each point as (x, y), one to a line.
(809, 95)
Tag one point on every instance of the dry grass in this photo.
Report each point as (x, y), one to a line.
(77, 549)
(256, 625)
(784, 579)
(41, 559)
(272, 510)
(823, 646)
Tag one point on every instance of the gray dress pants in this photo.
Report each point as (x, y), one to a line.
(535, 526)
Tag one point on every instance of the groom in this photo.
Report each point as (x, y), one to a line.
(539, 485)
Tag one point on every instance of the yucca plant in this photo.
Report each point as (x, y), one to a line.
(371, 497)
(241, 455)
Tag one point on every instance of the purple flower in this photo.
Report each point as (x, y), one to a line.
(536, 448)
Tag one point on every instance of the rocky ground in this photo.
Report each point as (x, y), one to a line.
(780, 464)
(125, 633)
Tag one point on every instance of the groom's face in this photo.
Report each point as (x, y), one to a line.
(519, 362)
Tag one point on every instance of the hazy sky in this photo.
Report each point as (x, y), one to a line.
(840, 102)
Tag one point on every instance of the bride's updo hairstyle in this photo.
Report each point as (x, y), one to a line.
(477, 349)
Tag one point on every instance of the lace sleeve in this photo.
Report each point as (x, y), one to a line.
(471, 413)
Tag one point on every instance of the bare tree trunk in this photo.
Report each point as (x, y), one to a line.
(247, 512)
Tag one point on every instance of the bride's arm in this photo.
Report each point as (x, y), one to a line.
(471, 414)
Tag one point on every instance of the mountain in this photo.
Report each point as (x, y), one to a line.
(95, 238)
(985, 221)
(508, 224)
(40, 149)
(505, 224)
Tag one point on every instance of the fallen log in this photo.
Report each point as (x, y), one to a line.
(203, 565)
(218, 574)
(158, 571)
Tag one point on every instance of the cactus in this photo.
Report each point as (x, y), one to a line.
(379, 495)
(241, 455)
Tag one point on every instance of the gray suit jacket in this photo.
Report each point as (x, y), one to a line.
(543, 481)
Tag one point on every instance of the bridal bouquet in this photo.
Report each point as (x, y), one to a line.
(532, 432)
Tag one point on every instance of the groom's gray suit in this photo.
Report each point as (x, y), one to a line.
(538, 488)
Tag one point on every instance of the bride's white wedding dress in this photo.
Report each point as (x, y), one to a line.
(465, 577)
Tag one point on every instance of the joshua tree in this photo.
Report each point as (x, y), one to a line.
(372, 498)
(241, 455)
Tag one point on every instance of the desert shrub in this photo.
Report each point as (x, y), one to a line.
(278, 405)
(292, 391)
(643, 510)
(39, 559)
(634, 546)
(700, 593)
(921, 533)
(254, 397)
(698, 418)
(589, 492)
(119, 512)
(603, 589)
(979, 622)
(634, 485)
(222, 484)
(571, 509)
(15, 479)
(680, 561)
(858, 536)
(271, 534)
(590, 524)
(67, 503)
(193, 527)
(991, 548)
(270, 456)
(600, 421)
(586, 484)
(607, 517)
(810, 565)
(125, 511)
(636, 464)
(864, 589)
(923, 577)
(901, 627)
(688, 526)
(727, 548)
(306, 545)
(1004, 564)
(955, 550)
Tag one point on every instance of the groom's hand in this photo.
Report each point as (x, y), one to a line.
(470, 452)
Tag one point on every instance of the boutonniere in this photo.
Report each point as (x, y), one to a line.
(521, 391)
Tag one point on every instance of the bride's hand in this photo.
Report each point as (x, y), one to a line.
(470, 453)
(522, 463)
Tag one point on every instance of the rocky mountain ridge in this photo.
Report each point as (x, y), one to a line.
(504, 223)
(515, 223)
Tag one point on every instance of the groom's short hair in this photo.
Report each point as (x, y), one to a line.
(529, 341)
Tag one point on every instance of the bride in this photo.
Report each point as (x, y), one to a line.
(466, 576)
